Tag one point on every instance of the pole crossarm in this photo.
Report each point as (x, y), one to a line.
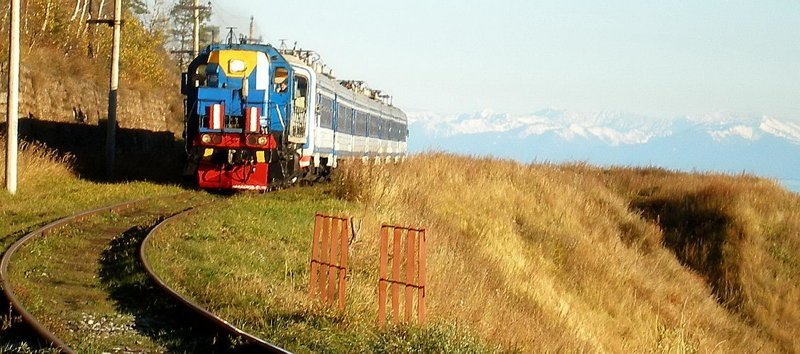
(187, 7)
(109, 22)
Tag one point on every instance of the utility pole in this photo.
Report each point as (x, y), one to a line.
(250, 39)
(13, 100)
(196, 34)
(195, 29)
(111, 129)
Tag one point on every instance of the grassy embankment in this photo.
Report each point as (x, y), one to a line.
(525, 257)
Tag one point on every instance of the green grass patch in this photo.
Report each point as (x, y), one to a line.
(247, 258)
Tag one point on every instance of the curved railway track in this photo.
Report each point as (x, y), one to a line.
(257, 344)
(8, 288)
(116, 240)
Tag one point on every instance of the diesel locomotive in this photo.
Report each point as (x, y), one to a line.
(257, 116)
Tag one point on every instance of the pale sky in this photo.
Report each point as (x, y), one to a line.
(662, 58)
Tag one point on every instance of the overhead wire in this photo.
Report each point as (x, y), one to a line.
(227, 18)
(230, 19)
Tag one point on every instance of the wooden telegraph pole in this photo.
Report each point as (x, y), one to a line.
(13, 99)
(251, 33)
(111, 129)
(196, 29)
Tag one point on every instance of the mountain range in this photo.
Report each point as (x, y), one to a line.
(722, 142)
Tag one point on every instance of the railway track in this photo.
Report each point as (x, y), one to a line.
(253, 343)
(8, 288)
(78, 284)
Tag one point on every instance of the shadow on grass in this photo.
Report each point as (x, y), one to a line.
(18, 337)
(700, 231)
(156, 315)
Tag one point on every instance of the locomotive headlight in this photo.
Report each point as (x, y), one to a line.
(262, 140)
(205, 138)
(236, 66)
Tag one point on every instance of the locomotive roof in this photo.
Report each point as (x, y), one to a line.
(325, 79)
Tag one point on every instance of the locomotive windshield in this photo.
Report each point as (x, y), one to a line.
(200, 75)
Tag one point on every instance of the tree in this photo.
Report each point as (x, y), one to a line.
(136, 7)
(157, 18)
(182, 29)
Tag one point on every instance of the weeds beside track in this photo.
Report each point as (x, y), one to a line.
(256, 343)
(77, 284)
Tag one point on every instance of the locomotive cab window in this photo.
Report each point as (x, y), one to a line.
(280, 79)
(199, 76)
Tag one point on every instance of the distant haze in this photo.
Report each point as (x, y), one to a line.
(660, 58)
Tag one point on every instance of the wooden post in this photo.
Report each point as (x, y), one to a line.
(312, 288)
(323, 276)
(333, 272)
(397, 253)
(196, 30)
(343, 262)
(421, 281)
(383, 274)
(410, 270)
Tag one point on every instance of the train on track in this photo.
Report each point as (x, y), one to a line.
(257, 116)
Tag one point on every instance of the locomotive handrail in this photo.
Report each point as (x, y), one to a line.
(280, 116)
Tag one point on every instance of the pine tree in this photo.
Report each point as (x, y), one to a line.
(182, 29)
(136, 7)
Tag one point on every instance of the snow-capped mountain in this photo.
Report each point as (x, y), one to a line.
(724, 142)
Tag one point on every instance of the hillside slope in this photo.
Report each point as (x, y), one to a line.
(65, 68)
(565, 258)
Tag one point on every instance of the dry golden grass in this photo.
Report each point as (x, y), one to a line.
(573, 258)
(49, 189)
(742, 234)
(37, 163)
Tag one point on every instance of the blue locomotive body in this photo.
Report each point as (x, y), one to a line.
(256, 116)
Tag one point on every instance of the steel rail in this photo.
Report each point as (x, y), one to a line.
(8, 289)
(214, 319)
